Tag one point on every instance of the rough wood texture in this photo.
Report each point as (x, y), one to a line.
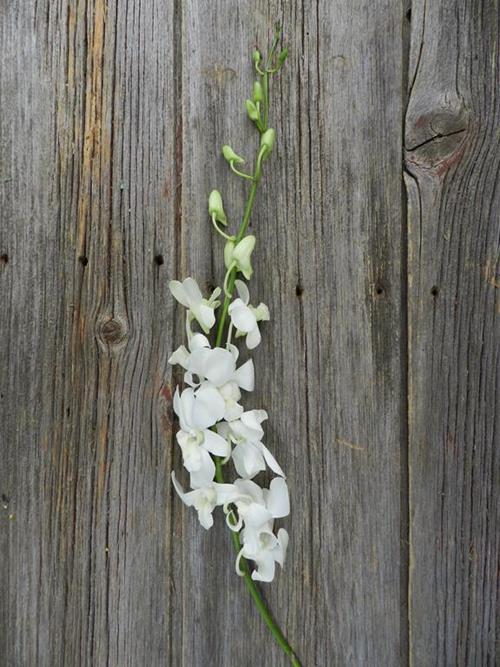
(452, 158)
(379, 369)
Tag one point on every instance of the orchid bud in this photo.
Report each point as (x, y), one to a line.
(282, 57)
(256, 57)
(258, 93)
(241, 255)
(231, 156)
(252, 110)
(215, 208)
(267, 140)
(228, 254)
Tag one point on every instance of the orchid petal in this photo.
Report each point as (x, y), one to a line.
(253, 338)
(245, 376)
(243, 292)
(277, 500)
(271, 461)
(179, 293)
(265, 568)
(208, 408)
(192, 291)
(215, 444)
(248, 460)
(205, 474)
(241, 316)
(180, 356)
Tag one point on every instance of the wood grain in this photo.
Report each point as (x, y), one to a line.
(379, 368)
(87, 135)
(452, 158)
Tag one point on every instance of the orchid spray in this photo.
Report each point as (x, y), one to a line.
(215, 429)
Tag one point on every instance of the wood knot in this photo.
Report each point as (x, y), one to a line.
(436, 133)
(112, 331)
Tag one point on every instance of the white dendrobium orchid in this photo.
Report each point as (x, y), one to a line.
(218, 366)
(181, 355)
(250, 455)
(197, 412)
(189, 295)
(245, 318)
(257, 509)
(206, 499)
(265, 549)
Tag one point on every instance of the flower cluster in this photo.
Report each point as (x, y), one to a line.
(214, 426)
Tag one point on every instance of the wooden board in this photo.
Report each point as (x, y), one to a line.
(452, 161)
(380, 389)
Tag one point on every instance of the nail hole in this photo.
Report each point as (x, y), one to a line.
(379, 290)
(434, 290)
(4, 258)
(159, 260)
(5, 499)
(299, 290)
(83, 260)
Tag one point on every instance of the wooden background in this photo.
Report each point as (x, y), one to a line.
(379, 255)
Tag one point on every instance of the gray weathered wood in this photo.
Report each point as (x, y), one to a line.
(379, 368)
(88, 159)
(452, 158)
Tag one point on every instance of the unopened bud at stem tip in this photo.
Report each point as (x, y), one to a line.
(215, 207)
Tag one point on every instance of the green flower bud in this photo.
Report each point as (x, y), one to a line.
(241, 255)
(252, 110)
(256, 57)
(282, 57)
(258, 93)
(267, 140)
(228, 253)
(231, 156)
(215, 208)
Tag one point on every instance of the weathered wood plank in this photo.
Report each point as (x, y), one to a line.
(87, 136)
(452, 158)
(330, 368)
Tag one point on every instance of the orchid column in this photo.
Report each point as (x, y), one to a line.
(216, 432)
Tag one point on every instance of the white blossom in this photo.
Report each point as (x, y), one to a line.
(250, 455)
(197, 413)
(189, 295)
(206, 499)
(257, 509)
(265, 549)
(245, 318)
(218, 366)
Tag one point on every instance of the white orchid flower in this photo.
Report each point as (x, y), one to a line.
(250, 455)
(189, 295)
(257, 509)
(197, 412)
(205, 499)
(245, 318)
(265, 549)
(181, 355)
(218, 366)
